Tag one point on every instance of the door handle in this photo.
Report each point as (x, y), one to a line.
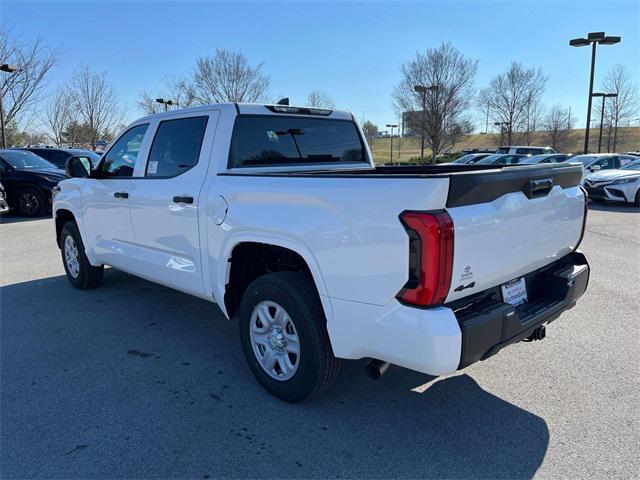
(182, 199)
(121, 194)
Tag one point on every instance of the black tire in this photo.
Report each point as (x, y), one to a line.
(637, 201)
(597, 200)
(30, 202)
(318, 367)
(87, 275)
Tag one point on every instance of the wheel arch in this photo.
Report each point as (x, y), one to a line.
(266, 249)
(61, 216)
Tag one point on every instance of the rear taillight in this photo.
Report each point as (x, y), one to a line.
(584, 219)
(430, 257)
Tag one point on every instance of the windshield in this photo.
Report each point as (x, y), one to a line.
(24, 160)
(584, 159)
(635, 165)
(489, 160)
(270, 140)
(535, 159)
(464, 158)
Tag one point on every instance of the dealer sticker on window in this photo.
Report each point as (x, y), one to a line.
(514, 292)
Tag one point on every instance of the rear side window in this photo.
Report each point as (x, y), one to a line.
(269, 140)
(176, 146)
(121, 158)
(502, 150)
(57, 157)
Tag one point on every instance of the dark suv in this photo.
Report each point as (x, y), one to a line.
(59, 156)
(29, 181)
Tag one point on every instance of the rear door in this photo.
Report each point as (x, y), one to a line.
(511, 222)
(167, 197)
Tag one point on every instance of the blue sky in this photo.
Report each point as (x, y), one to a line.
(352, 50)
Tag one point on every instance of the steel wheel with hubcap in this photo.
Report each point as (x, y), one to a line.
(275, 340)
(71, 257)
(284, 336)
(80, 273)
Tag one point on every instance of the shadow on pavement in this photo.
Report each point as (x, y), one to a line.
(11, 217)
(136, 380)
(613, 207)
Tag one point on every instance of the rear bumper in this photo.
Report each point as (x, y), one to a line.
(488, 325)
(441, 340)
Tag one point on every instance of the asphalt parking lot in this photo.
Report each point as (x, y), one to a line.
(133, 380)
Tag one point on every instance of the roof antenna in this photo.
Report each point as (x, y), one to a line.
(283, 101)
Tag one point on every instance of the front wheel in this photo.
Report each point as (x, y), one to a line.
(637, 200)
(284, 337)
(80, 273)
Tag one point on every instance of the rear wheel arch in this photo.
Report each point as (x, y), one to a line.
(248, 260)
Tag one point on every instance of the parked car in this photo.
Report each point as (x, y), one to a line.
(501, 159)
(470, 158)
(547, 158)
(59, 156)
(621, 185)
(4, 206)
(594, 162)
(279, 216)
(525, 150)
(29, 180)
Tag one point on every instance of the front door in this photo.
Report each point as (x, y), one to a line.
(106, 198)
(165, 201)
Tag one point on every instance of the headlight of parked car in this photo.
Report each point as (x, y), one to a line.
(626, 180)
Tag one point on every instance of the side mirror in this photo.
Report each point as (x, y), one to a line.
(595, 168)
(76, 168)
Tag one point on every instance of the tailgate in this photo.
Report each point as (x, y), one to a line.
(511, 222)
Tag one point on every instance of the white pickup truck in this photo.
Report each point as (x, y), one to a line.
(279, 216)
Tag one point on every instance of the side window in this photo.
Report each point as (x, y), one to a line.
(176, 146)
(607, 162)
(120, 160)
(624, 160)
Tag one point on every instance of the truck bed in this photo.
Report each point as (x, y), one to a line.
(468, 184)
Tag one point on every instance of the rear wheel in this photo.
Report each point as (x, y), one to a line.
(31, 202)
(80, 273)
(284, 337)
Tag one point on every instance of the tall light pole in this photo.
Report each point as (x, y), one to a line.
(604, 97)
(5, 67)
(592, 39)
(422, 90)
(166, 103)
(391, 126)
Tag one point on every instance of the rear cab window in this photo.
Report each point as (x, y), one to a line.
(280, 141)
(176, 146)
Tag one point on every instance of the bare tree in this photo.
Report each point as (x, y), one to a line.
(95, 102)
(511, 95)
(228, 77)
(533, 115)
(22, 90)
(557, 124)
(177, 89)
(453, 74)
(320, 99)
(59, 114)
(370, 131)
(623, 108)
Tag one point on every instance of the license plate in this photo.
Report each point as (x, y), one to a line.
(514, 292)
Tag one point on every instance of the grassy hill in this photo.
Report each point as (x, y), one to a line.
(408, 147)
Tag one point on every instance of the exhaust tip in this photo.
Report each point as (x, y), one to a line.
(376, 369)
